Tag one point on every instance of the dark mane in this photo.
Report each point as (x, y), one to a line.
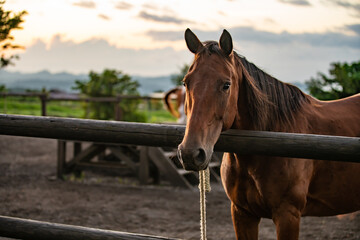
(272, 102)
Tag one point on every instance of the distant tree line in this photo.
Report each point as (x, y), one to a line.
(177, 78)
(111, 83)
(344, 81)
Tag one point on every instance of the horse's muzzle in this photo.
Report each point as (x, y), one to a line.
(193, 159)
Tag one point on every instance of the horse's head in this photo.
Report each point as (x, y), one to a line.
(212, 86)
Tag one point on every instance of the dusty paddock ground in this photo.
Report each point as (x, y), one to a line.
(28, 189)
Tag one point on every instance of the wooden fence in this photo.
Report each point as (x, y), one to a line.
(245, 142)
(30, 229)
(47, 97)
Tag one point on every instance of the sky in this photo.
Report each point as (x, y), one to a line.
(292, 40)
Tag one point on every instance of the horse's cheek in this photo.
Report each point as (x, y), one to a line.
(229, 118)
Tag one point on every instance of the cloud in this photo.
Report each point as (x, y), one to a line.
(162, 19)
(296, 2)
(355, 7)
(249, 34)
(150, 6)
(98, 54)
(104, 17)
(123, 6)
(85, 4)
(166, 35)
(347, 4)
(355, 28)
(290, 62)
(221, 13)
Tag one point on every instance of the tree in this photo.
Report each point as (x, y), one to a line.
(344, 81)
(177, 78)
(111, 83)
(2, 88)
(8, 22)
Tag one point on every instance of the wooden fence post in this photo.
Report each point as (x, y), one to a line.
(5, 104)
(61, 159)
(43, 99)
(118, 109)
(144, 166)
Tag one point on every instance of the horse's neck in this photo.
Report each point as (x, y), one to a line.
(252, 106)
(244, 119)
(266, 103)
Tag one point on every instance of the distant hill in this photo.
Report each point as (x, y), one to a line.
(17, 81)
(21, 81)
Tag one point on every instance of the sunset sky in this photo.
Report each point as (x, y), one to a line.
(290, 39)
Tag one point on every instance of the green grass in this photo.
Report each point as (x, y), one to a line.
(20, 105)
(65, 109)
(159, 116)
(32, 106)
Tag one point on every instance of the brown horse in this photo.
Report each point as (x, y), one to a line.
(179, 92)
(223, 91)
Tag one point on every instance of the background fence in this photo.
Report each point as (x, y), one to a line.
(45, 98)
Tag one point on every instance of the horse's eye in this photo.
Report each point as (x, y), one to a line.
(184, 84)
(226, 86)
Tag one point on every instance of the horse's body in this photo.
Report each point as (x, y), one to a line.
(179, 92)
(226, 91)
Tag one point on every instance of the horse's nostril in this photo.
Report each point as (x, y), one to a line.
(199, 156)
(192, 159)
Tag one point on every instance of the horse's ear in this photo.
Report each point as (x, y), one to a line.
(226, 43)
(192, 42)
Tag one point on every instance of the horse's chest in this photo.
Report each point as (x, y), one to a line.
(242, 189)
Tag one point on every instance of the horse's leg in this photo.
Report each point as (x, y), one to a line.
(246, 226)
(287, 222)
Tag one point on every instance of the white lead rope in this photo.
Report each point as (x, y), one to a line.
(204, 186)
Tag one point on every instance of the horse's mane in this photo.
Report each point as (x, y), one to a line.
(272, 103)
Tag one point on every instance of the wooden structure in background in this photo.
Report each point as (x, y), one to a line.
(151, 165)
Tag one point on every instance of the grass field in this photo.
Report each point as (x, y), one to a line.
(73, 109)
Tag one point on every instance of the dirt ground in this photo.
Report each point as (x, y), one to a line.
(29, 189)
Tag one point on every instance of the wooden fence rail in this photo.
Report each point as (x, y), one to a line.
(245, 142)
(30, 230)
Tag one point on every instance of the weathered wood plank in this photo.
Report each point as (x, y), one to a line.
(144, 168)
(77, 148)
(85, 155)
(167, 168)
(61, 158)
(242, 142)
(120, 155)
(30, 229)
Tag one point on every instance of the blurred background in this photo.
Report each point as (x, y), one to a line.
(62, 46)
